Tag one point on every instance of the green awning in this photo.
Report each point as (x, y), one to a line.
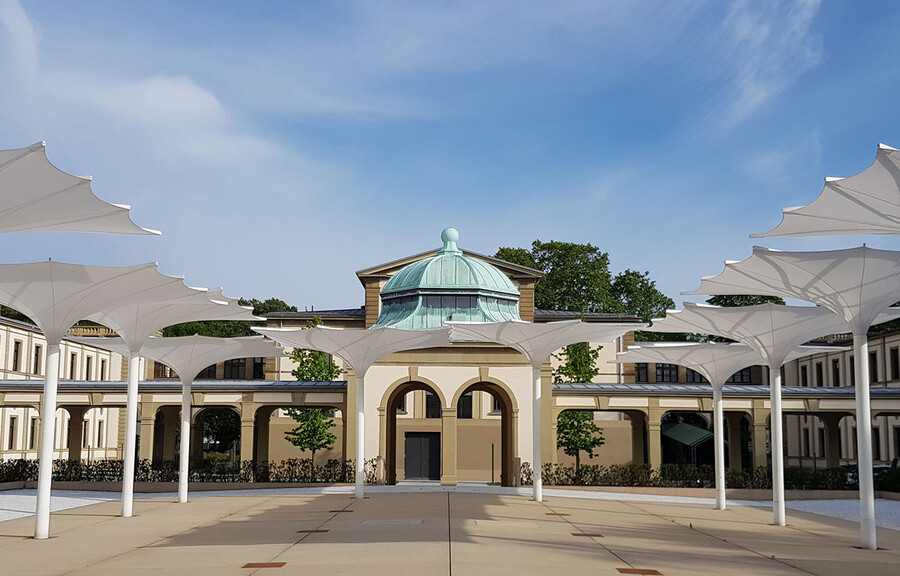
(687, 434)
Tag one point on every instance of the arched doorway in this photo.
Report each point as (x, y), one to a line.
(502, 403)
(216, 435)
(421, 444)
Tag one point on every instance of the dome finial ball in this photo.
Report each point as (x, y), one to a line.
(449, 235)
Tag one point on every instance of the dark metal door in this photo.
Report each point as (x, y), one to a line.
(423, 456)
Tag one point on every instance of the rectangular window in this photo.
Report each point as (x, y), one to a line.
(873, 367)
(694, 377)
(855, 441)
(208, 373)
(160, 371)
(852, 374)
(17, 355)
(804, 377)
(432, 405)
(100, 442)
(667, 373)
(804, 449)
(896, 441)
(820, 375)
(835, 372)
(496, 406)
(895, 363)
(820, 449)
(464, 407)
(103, 369)
(235, 369)
(401, 404)
(85, 434)
(259, 368)
(32, 433)
(88, 365)
(876, 443)
(13, 429)
(641, 372)
(38, 352)
(742, 376)
(73, 365)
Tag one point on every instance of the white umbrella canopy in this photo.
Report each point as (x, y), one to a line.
(867, 203)
(188, 356)
(360, 349)
(857, 284)
(35, 195)
(537, 342)
(55, 296)
(774, 331)
(716, 362)
(136, 323)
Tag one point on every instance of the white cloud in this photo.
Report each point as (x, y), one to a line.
(764, 47)
(19, 38)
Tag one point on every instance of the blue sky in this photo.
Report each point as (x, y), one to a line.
(282, 146)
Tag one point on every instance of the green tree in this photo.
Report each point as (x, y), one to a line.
(222, 429)
(313, 431)
(579, 363)
(229, 328)
(577, 433)
(635, 293)
(736, 300)
(313, 424)
(313, 365)
(576, 276)
(12, 314)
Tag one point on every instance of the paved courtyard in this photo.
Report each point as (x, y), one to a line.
(435, 533)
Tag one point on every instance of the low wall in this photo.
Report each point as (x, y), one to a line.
(165, 487)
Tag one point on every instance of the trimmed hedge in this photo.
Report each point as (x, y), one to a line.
(294, 470)
(687, 476)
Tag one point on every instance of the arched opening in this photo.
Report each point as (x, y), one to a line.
(687, 438)
(479, 447)
(623, 432)
(420, 439)
(216, 435)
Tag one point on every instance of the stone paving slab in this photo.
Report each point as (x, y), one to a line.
(435, 532)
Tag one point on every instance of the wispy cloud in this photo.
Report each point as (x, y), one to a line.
(765, 48)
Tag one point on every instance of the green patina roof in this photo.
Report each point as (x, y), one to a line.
(687, 434)
(447, 286)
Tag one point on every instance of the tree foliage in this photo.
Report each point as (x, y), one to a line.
(577, 433)
(579, 363)
(12, 314)
(313, 431)
(576, 276)
(313, 365)
(229, 328)
(222, 429)
(736, 300)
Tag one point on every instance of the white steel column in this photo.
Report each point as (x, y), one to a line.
(538, 481)
(776, 442)
(134, 375)
(360, 436)
(48, 438)
(719, 439)
(864, 443)
(185, 444)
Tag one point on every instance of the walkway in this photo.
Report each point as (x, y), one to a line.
(434, 533)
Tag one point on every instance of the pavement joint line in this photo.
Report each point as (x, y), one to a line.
(642, 571)
(164, 538)
(725, 541)
(606, 548)
(264, 565)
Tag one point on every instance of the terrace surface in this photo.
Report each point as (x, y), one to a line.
(435, 533)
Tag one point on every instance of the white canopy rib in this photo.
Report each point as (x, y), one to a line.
(35, 195)
(867, 203)
(772, 330)
(190, 355)
(358, 347)
(538, 341)
(856, 283)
